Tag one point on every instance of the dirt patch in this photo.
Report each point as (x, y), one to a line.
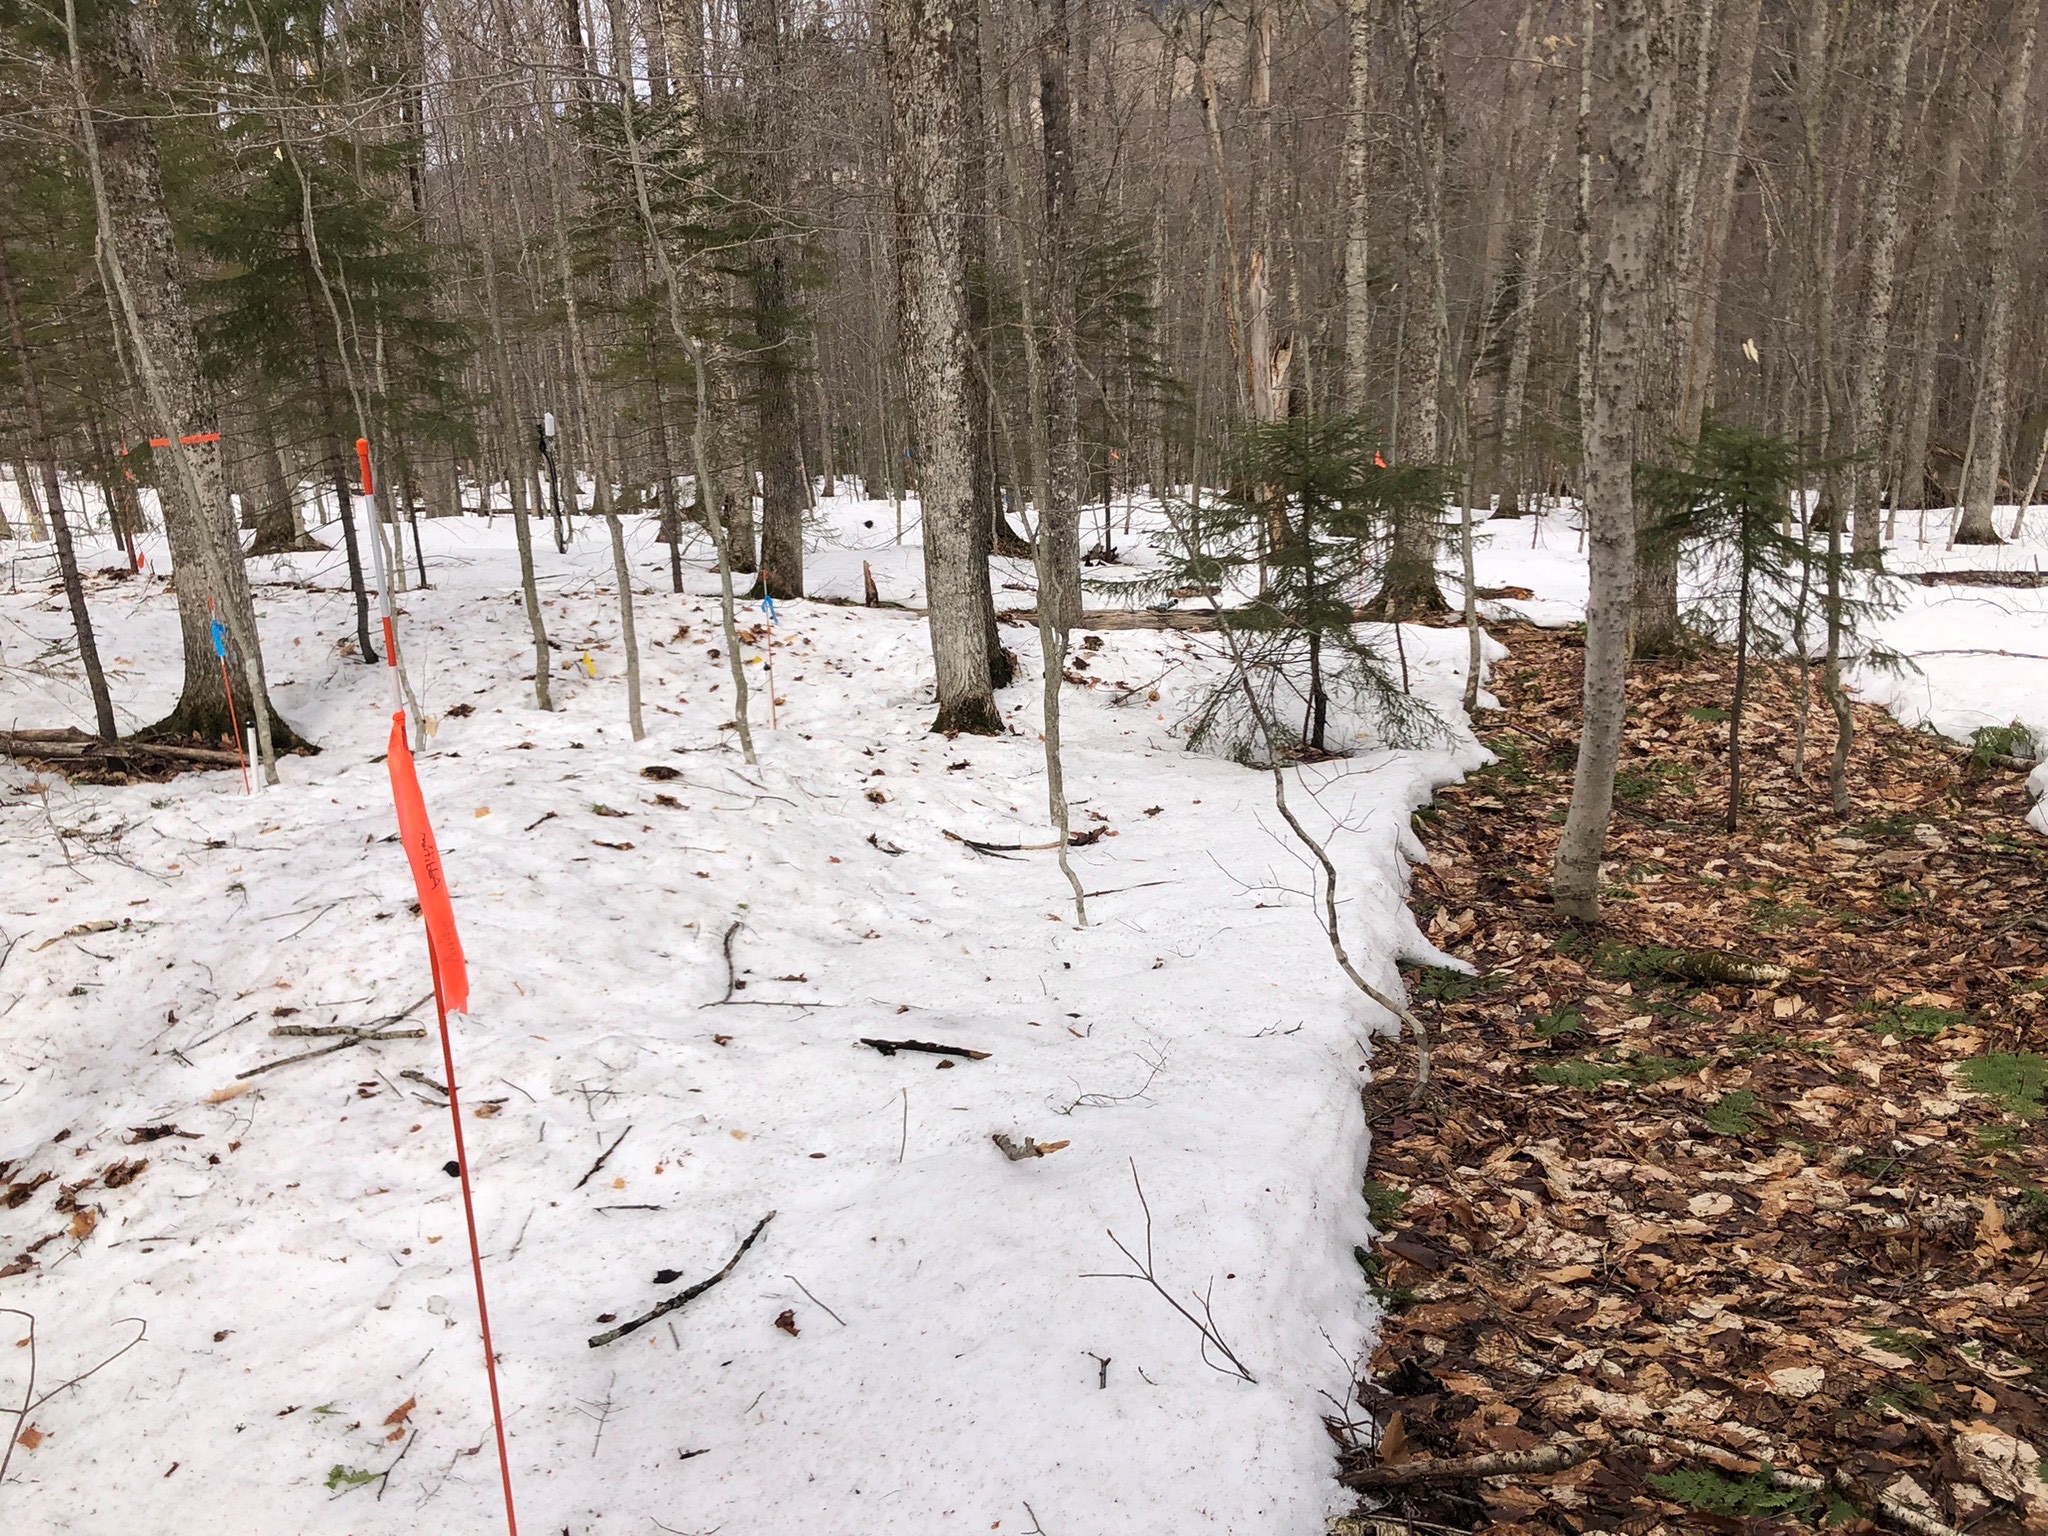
(1769, 1250)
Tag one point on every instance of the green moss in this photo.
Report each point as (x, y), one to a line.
(1638, 1071)
(2013, 1079)
(1917, 1022)
(1383, 1203)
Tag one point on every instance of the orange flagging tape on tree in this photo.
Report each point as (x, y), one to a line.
(444, 954)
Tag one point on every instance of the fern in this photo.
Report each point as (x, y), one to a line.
(1747, 1498)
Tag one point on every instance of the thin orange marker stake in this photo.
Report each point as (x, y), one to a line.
(444, 956)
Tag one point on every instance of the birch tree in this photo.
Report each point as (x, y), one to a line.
(1627, 54)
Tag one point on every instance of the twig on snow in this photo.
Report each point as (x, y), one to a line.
(792, 1279)
(732, 978)
(891, 1047)
(683, 1297)
(361, 1038)
(376, 1029)
(603, 1158)
(999, 850)
(384, 1477)
(348, 1032)
(1146, 1270)
(27, 1395)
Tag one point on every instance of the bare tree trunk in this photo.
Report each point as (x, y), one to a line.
(148, 278)
(1937, 245)
(778, 441)
(1409, 586)
(1060, 517)
(1516, 392)
(337, 463)
(46, 455)
(992, 533)
(1267, 358)
(1987, 416)
(1638, 133)
(1898, 29)
(520, 482)
(1357, 194)
(931, 261)
(584, 396)
(31, 506)
(700, 369)
(1696, 292)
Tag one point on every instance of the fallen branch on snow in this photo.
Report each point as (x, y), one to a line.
(891, 1047)
(1074, 840)
(603, 1157)
(682, 1298)
(1146, 1271)
(365, 1034)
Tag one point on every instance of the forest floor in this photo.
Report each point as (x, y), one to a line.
(1687, 1233)
(1637, 1204)
(922, 1340)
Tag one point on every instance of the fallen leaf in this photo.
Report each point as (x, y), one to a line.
(30, 1438)
(402, 1412)
(787, 1321)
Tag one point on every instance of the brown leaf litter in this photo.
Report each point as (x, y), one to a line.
(1771, 1246)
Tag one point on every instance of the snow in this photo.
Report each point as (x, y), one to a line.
(300, 1261)
(1974, 654)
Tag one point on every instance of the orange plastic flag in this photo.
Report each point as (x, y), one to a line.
(414, 830)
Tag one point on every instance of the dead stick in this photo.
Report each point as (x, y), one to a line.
(682, 1298)
(792, 1279)
(318, 1031)
(732, 980)
(327, 1050)
(891, 1047)
(603, 1158)
(1555, 1457)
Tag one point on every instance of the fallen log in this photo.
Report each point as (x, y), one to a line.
(1981, 578)
(69, 745)
(1556, 1457)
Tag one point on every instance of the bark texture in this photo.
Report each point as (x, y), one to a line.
(1636, 112)
(931, 293)
(771, 289)
(1987, 417)
(149, 278)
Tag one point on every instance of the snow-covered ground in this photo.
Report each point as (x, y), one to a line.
(1975, 656)
(295, 1250)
